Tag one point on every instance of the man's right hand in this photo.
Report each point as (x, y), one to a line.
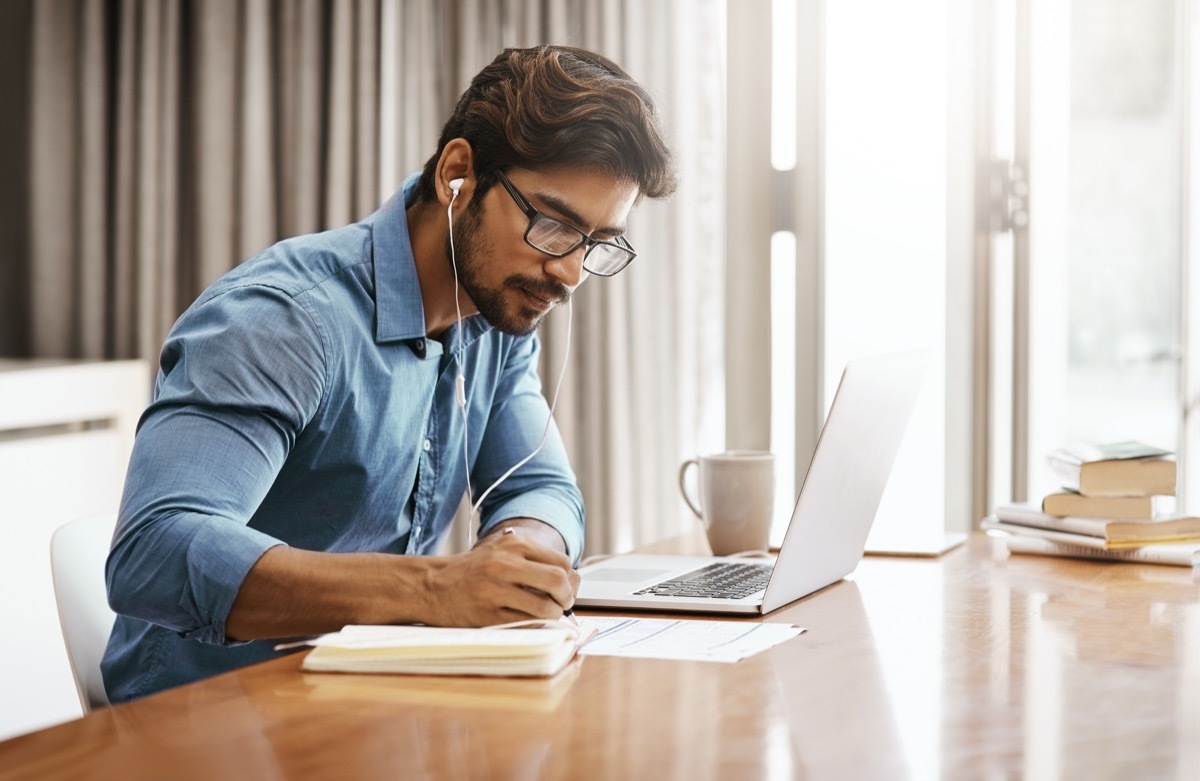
(291, 592)
(506, 577)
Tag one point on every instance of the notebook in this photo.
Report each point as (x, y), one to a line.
(828, 529)
(507, 650)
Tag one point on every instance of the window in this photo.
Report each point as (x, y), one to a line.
(864, 208)
(1107, 181)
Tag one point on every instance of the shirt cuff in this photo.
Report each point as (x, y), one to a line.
(214, 581)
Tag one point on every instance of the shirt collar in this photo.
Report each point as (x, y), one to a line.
(399, 310)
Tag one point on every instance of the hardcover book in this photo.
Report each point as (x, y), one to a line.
(1117, 469)
(1093, 532)
(1119, 508)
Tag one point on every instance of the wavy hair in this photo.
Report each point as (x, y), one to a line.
(552, 106)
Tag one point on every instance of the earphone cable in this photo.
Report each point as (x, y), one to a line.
(460, 382)
(461, 389)
(562, 373)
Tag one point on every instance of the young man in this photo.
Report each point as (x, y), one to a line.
(318, 408)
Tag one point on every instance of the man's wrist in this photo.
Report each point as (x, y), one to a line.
(541, 532)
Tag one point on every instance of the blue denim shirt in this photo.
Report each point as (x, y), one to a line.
(299, 402)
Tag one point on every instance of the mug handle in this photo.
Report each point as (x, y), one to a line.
(683, 486)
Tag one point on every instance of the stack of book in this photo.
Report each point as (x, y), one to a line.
(1117, 502)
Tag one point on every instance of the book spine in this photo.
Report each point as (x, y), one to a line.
(1112, 508)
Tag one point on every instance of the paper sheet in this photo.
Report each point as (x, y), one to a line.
(683, 639)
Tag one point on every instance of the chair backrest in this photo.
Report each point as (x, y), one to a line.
(78, 550)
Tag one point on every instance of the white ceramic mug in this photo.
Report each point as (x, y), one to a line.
(736, 498)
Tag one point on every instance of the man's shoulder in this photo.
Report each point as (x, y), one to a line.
(299, 264)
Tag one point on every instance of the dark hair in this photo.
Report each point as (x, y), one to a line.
(551, 106)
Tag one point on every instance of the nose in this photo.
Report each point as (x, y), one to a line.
(568, 270)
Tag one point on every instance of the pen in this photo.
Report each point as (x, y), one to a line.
(569, 613)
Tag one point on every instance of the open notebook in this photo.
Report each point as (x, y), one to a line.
(507, 650)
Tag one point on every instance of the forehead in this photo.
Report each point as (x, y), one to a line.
(591, 199)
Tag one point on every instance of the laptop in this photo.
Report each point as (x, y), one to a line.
(828, 529)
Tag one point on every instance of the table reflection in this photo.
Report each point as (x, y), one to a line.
(851, 693)
(1110, 663)
(1030, 667)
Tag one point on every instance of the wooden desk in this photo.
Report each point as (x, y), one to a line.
(969, 666)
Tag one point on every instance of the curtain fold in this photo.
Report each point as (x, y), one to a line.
(59, 170)
(87, 172)
(170, 141)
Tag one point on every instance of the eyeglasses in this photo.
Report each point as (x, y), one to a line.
(557, 239)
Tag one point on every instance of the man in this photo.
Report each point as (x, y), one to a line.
(318, 408)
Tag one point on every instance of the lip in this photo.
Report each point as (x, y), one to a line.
(538, 302)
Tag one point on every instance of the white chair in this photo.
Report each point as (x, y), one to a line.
(77, 553)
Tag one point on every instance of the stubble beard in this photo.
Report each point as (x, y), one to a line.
(471, 247)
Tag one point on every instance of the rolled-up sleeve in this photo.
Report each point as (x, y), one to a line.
(545, 488)
(242, 372)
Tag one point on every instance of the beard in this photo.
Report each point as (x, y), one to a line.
(473, 249)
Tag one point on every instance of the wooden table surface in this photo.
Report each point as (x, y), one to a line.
(972, 665)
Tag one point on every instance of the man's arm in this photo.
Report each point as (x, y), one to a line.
(208, 451)
(544, 488)
(242, 373)
(505, 578)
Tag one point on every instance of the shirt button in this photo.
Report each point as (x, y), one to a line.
(427, 444)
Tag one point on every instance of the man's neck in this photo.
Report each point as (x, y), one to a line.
(427, 230)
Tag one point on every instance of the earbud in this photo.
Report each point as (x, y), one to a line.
(455, 186)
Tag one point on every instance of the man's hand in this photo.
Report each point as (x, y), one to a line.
(506, 577)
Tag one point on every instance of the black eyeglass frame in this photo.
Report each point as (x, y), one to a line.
(536, 216)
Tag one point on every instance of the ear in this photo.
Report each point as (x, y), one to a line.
(456, 162)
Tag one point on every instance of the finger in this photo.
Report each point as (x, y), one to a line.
(546, 583)
(534, 604)
(530, 565)
(549, 581)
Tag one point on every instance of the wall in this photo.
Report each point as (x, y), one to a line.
(66, 431)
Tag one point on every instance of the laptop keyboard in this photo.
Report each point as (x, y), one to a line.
(722, 580)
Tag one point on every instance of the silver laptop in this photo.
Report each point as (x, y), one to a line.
(829, 526)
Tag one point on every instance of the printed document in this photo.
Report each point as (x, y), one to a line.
(682, 639)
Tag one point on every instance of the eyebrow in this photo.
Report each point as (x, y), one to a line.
(560, 206)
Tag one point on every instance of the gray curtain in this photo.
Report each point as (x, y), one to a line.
(169, 141)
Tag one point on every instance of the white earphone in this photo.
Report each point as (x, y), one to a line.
(460, 385)
(461, 380)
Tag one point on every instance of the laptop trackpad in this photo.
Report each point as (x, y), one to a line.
(625, 574)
